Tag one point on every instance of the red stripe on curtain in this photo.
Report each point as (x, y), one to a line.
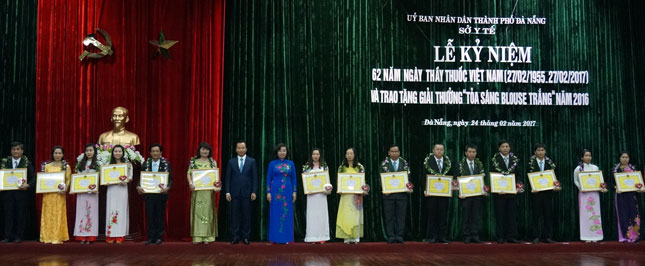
(176, 102)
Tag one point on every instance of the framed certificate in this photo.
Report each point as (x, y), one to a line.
(48, 182)
(470, 186)
(205, 179)
(111, 173)
(82, 183)
(12, 179)
(541, 181)
(626, 181)
(590, 180)
(501, 183)
(438, 185)
(314, 182)
(351, 183)
(150, 181)
(394, 182)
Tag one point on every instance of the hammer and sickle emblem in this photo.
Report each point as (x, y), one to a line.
(91, 40)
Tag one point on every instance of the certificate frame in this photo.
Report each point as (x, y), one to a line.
(497, 184)
(81, 182)
(438, 185)
(590, 180)
(107, 173)
(346, 186)
(626, 181)
(10, 178)
(471, 186)
(394, 182)
(201, 182)
(315, 181)
(47, 182)
(150, 181)
(537, 180)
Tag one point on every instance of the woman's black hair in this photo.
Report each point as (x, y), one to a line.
(277, 149)
(345, 162)
(582, 154)
(83, 161)
(112, 160)
(56, 148)
(310, 162)
(207, 146)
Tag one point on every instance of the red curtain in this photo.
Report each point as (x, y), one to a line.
(176, 102)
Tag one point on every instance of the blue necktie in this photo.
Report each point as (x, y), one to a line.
(541, 165)
(241, 164)
(396, 166)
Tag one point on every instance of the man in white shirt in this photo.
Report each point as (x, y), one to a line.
(506, 204)
(394, 204)
(16, 202)
(471, 206)
(156, 202)
(240, 186)
(437, 207)
(543, 200)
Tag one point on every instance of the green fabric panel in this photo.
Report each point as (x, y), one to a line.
(299, 72)
(18, 84)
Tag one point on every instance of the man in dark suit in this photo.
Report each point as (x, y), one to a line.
(542, 200)
(156, 203)
(506, 163)
(240, 185)
(394, 204)
(15, 201)
(437, 164)
(471, 206)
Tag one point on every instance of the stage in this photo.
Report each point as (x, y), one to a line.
(367, 253)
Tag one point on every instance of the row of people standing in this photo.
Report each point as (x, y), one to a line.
(349, 223)
(241, 185)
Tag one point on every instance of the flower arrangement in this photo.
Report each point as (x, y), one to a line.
(520, 187)
(104, 153)
(365, 188)
(617, 168)
(454, 185)
(534, 166)
(403, 165)
(464, 168)
(486, 190)
(603, 187)
(444, 170)
(63, 166)
(410, 186)
(512, 164)
(20, 182)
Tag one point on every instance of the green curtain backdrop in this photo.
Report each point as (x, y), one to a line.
(18, 82)
(299, 72)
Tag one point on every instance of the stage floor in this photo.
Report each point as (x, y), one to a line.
(367, 253)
